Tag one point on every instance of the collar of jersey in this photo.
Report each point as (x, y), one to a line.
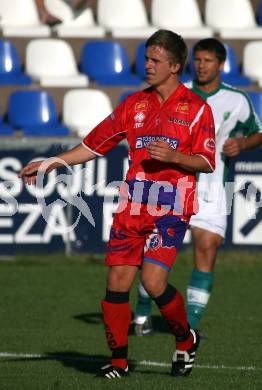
(176, 93)
(203, 94)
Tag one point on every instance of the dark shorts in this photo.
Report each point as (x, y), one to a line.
(137, 235)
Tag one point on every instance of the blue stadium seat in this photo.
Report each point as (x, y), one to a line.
(185, 76)
(259, 18)
(106, 62)
(140, 64)
(5, 129)
(256, 99)
(140, 61)
(10, 66)
(35, 114)
(231, 73)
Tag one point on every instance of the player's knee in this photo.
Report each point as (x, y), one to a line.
(119, 280)
(208, 245)
(153, 287)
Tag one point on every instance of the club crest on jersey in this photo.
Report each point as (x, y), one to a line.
(154, 241)
(139, 117)
(183, 108)
(210, 145)
(226, 115)
(141, 106)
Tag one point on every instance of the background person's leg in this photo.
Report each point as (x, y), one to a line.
(206, 245)
(142, 323)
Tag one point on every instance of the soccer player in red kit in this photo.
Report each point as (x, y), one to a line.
(170, 132)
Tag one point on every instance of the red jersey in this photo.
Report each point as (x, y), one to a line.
(184, 120)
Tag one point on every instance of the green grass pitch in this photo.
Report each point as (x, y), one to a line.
(52, 336)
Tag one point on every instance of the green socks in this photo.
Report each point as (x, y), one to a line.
(144, 302)
(198, 292)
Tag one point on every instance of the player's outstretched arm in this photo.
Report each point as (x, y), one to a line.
(76, 155)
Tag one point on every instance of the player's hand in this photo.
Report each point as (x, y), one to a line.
(161, 151)
(30, 171)
(232, 147)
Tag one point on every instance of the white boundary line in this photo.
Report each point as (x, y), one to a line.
(13, 355)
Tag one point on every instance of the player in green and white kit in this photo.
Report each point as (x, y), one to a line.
(237, 128)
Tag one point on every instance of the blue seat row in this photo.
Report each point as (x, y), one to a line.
(106, 63)
(34, 113)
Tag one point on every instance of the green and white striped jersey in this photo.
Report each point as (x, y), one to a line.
(234, 116)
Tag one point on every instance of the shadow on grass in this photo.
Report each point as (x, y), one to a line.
(89, 364)
(159, 324)
(78, 361)
(90, 318)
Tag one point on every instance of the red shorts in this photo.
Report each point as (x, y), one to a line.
(140, 236)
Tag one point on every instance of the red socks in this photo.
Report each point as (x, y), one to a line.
(172, 307)
(117, 317)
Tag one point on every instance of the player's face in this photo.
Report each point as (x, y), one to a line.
(207, 67)
(159, 69)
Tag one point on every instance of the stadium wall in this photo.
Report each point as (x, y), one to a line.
(73, 210)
